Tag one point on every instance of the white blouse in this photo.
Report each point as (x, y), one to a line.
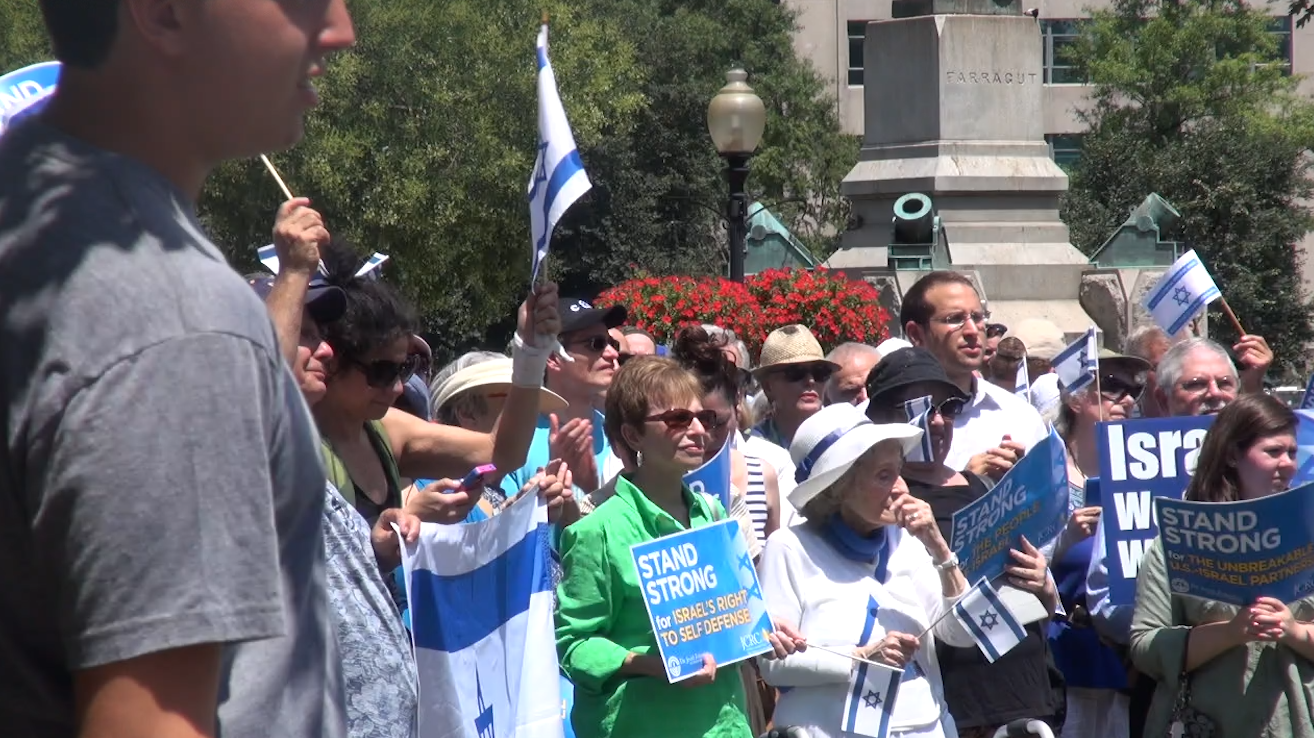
(807, 582)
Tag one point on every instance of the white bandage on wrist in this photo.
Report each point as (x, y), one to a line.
(528, 363)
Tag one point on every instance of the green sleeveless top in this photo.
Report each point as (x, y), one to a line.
(341, 478)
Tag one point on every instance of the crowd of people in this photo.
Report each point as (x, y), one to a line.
(206, 484)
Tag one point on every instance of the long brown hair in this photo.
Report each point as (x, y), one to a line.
(1246, 420)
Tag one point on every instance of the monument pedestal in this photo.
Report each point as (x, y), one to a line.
(953, 110)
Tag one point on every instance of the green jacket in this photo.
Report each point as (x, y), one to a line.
(601, 618)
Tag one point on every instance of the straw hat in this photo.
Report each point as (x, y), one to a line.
(828, 443)
(496, 375)
(793, 344)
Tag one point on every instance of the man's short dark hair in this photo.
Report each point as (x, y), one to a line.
(915, 308)
(82, 32)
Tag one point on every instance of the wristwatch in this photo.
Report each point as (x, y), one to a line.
(947, 564)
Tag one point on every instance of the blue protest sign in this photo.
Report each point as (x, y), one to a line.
(25, 87)
(1030, 501)
(703, 597)
(1307, 399)
(1304, 448)
(1236, 552)
(713, 477)
(567, 704)
(1139, 461)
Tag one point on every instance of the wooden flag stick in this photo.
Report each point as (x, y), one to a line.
(281, 184)
(545, 16)
(1232, 316)
(837, 652)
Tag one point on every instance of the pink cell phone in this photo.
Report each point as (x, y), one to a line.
(475, 478)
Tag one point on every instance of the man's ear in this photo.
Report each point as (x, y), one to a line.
(915, 333)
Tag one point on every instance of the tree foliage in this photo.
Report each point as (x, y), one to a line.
(1186, 102)
(423, 145)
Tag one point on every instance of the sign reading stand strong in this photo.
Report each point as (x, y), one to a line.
(23, 88)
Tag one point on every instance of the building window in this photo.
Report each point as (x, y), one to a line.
(1057, 35)
(857, 37)
(1281, 28)
(1065, 149)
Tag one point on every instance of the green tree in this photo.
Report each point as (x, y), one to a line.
(1187, 102)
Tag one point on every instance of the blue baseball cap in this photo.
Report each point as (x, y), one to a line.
(326, 302)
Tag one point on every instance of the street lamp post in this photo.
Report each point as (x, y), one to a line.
(736, 118)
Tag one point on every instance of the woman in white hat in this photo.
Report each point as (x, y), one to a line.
(866, 574)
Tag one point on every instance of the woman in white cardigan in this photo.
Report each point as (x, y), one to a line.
(866, 574)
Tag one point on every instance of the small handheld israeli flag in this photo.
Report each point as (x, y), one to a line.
(1077, 364)
(989, 621)
(1022, 385)
(919, 414)
(869, 705)
(559, 178)
(1307, 400)
(1181, 292)
(370, 269)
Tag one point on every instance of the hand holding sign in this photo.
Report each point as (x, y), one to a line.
(1271, 620)
(703, 676)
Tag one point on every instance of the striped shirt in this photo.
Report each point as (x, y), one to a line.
(756, 496)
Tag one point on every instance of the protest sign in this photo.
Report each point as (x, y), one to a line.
(22, 88)
(1031, 500)
(1304, 448)
(1139, 461)
(703, 597)
(713, 477)
(1236, 552)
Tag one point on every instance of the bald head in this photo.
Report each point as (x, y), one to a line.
(849, 384)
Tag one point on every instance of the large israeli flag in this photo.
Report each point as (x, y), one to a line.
(481, 615)
(1181, 292)
(559, 178)
(24, 91)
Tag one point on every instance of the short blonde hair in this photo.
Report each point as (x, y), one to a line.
(819, 509)
(642, 383)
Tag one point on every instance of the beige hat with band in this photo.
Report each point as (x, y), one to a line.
(793, 344)
(491, 375)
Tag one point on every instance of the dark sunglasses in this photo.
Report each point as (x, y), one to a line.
(1114, 388)
(800, 372)
(680, 419)
(995, 330)
(383, 374)
(947, 409)
(598, 344)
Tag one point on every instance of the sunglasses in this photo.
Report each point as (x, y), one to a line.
(598, 344)
(1114, 389)
(800, 372)
(995, 330)
(679, 419)
(948, 409)
(383, 374)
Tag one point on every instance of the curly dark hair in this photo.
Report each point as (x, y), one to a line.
(376, 314)
(704, 355)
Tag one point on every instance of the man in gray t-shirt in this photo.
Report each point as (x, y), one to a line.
(161, 493)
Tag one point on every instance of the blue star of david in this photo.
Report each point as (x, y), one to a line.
(872, 699)
(746, 563)
(540, 171)
(754, 591)
(1182, 296)
(484, 721)
(989, 620)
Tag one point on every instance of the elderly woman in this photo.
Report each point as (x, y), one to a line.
(604, 638)
(865, 540)
(980, 695)
(1248, 670)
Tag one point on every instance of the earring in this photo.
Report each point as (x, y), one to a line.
(638, 458)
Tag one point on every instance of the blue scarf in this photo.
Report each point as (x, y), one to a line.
(857, 547)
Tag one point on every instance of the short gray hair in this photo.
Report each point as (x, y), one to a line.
(471, 402)
(1171, 365)
(845, 351)
(730, 339)
(1140, 340)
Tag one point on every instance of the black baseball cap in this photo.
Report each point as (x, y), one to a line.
(326, 302)
(907, 367)
(577, 314)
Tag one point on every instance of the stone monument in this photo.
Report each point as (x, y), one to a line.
(953, 110)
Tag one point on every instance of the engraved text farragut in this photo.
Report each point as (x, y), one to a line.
(990, 77)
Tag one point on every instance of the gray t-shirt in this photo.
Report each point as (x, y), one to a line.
(378, 666)
(160, 484)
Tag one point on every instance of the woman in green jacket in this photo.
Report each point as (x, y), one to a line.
(604, 638)
(1251, 669)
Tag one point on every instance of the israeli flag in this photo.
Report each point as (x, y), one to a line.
(1307, 399)
(1022, 385)
(25, 91)
(559, 178)
(481, 616)
(370, 268)
(869, 705)
(919, 414)
(1077, 364)
(1181, 292)
(268, 256)
(989, 621)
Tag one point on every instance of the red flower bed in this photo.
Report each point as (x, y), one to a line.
(836, 308)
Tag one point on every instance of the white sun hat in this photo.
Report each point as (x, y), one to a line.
(493, 375)
(828, 443)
